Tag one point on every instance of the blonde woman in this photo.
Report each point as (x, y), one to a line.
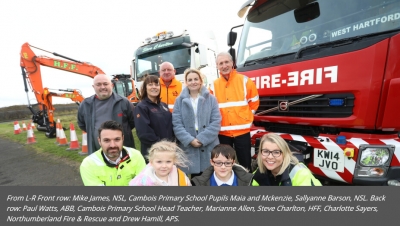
(196, 122)
(277, 166)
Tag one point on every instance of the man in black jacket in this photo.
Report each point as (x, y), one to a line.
(104, 106)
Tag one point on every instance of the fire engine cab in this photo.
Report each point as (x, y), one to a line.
(328, 76)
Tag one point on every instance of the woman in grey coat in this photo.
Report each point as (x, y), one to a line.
(196, 122)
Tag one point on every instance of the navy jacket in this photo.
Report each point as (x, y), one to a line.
(153, 122)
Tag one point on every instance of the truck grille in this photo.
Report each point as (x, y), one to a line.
(318, 107)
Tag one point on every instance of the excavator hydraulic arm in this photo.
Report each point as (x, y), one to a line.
(39, 117)
(30, 65)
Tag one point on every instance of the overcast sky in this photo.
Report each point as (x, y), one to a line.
(102, 32)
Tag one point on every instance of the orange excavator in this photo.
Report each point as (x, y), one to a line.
(30, 66)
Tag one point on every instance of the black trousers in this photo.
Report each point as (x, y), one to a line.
(242, 146)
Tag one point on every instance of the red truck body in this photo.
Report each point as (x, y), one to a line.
(333, 89)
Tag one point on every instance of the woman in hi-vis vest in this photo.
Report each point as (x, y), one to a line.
(277, 166)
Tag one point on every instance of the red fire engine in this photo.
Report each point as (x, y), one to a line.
(328, 76)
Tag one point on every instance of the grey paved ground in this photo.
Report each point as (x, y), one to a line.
(22, 166)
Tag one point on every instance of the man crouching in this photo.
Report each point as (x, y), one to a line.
(113, 164)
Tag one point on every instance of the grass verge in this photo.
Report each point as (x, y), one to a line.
(46, 145)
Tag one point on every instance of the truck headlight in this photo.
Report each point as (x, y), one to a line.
(374, 160)
(374, 156)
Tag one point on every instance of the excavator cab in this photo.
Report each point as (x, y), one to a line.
(124, 86)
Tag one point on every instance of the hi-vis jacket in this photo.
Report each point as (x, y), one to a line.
(96, 172)
(294, 175)
(238, 101)
(170, 93)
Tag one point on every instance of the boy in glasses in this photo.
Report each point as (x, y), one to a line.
(223, 170)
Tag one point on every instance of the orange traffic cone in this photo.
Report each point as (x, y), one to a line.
(31, 138)
(84, 144)
(62, 141)
(33, 133)
(73, 144)
(17, 129)
(24, 126)
(57, 132)
(32, 125)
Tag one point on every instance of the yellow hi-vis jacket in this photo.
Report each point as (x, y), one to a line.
(169, 94)
(95, 172)
(238, 101)
(294, 175)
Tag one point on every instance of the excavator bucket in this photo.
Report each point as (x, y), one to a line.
(51, 133)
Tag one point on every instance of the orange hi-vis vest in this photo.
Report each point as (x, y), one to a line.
(238, 101)
(181, 178)
(169, 94)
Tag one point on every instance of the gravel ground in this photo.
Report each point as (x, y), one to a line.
(20, 165)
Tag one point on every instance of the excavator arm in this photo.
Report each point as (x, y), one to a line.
(73, 94)
(30, 66)
(44, 117)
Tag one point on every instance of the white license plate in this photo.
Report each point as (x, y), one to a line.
(329, 159)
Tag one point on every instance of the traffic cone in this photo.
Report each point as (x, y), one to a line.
(32, 125)
(17, 129)
(31, 138)
(24, 126)
(62, 141)
(57, 132)
(84, 144)
(33, 133)
(73, 144)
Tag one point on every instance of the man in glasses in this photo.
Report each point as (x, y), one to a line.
(238, 101)
(170, 86)
(223, 170)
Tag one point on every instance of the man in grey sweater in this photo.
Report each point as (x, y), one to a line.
(104, 106)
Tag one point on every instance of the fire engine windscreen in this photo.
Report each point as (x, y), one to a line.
(276, 28)
(149, 63)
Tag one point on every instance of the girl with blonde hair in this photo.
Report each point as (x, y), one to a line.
(162, 170)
